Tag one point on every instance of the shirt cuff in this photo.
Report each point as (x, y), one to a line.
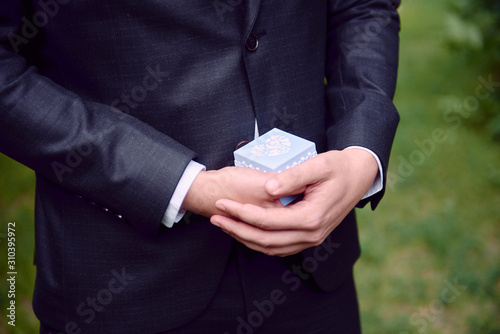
(174, 212)
(378, 183)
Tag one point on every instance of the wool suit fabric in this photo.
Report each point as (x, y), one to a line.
(108, 101)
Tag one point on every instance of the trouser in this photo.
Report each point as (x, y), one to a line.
(271, 302)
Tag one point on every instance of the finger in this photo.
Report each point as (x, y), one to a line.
(279, 243)
(251, 234)
(294, 180)
(283, 218)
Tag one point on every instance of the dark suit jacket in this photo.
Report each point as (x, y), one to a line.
(108, 101)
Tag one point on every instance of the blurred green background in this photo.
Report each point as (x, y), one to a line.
(431, 252)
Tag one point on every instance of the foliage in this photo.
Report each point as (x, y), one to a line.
(473, 32)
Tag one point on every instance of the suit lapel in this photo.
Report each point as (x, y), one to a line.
(251, 12)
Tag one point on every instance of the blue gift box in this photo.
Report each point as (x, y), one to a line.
(275, 151)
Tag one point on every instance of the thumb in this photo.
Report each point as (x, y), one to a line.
(294, 181)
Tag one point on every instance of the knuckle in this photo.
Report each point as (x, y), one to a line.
(323, 165)
(316, 238)
(261, 223)
(271, 252)
(246, 208)
(265, 244)
(314, 223)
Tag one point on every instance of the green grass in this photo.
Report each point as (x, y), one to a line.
(438, 225)
(439, 222)
(16, 205)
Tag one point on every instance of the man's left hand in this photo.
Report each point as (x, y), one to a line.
(332, 183)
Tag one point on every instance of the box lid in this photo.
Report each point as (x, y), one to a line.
(274, 151)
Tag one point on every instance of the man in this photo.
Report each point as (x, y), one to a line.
(129, 111)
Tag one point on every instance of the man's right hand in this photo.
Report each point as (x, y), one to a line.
(243, 185)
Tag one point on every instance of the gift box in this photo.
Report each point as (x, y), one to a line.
(275, 151)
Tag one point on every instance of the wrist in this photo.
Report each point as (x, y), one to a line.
(203, 193)
(193, 197)
(363, 163)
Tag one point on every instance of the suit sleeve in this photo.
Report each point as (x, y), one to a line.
(90, 149)
(362, 53)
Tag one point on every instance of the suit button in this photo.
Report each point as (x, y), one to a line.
(252, 43)
(241, 144)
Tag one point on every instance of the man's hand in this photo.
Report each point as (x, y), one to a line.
(332, 183)
(243, 185)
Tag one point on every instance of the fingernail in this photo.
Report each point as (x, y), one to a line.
(220, 206)
(272, 186)
(215, 223)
